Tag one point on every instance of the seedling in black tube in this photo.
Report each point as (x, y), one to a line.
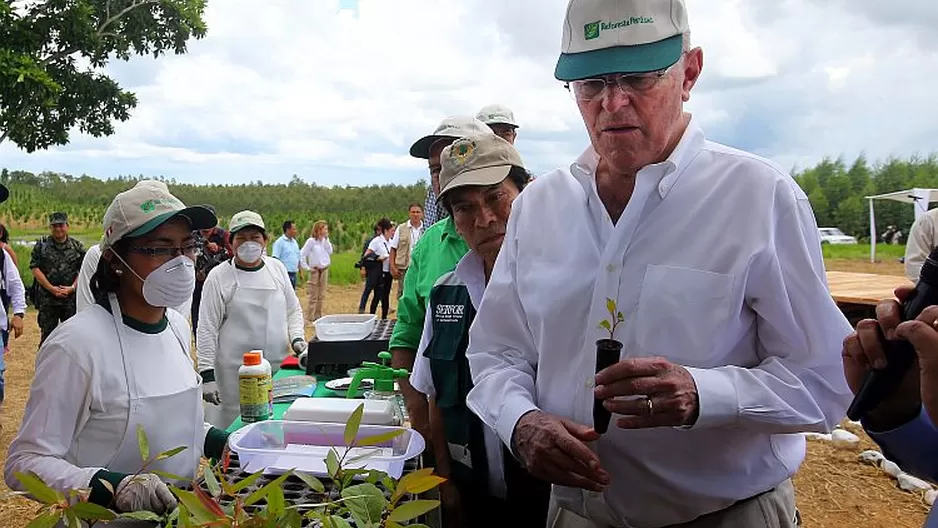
(607, 354)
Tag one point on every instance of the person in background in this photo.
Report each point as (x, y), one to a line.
(730, 336)
(14, 293)
(923, 238)
(402, 244)
(315, 257)
(501, 120)
(438, 252)
(903, 424)
(433, 211)
(287, 251)
(216, 249)
(122, 364)
(248, 304)
(377, 265)
(55, 263)
(480, 179)
(5, 243)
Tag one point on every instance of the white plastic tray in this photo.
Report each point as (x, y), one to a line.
(350, 327)
(338, 410)
(277, 446)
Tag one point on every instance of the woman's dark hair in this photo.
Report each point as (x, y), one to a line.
(105, 280)
(384, 225)
(4, 234)
(517, 175)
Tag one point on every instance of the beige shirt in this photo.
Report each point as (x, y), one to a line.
(923, 237)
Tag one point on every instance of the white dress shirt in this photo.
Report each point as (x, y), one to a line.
(471, 271)
(716, 264)
(316, 254)
(379, 246)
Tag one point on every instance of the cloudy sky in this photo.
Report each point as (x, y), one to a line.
(335, 91)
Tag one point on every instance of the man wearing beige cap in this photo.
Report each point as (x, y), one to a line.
(501, 120)
(730, 341)
(480, 179)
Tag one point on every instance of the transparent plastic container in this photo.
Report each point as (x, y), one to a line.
(350, 327)
(277, 446)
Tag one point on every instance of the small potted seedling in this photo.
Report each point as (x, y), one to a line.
(607, 354)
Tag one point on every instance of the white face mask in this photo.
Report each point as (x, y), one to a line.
(169, 285)
(250, 252)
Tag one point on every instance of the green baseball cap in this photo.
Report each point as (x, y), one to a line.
(602, 37)
(246, 219)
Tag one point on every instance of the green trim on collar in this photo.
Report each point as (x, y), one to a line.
(146, 328)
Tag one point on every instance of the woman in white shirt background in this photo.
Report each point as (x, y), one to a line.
(248, 303)
(315, 257)
(377, 265)
(122, 363)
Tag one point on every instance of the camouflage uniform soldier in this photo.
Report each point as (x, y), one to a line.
(55, 263)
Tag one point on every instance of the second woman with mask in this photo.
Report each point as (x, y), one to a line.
(248, 304)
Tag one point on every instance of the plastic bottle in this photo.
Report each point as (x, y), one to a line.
(383, 376)
(256, 386)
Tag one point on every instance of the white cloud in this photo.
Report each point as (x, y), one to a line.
(338, 95)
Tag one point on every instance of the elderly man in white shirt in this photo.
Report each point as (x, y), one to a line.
(731, 339)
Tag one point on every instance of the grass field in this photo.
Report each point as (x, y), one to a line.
(833, 489)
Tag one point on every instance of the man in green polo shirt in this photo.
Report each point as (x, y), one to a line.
(437, 252)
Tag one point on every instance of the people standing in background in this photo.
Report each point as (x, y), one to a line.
(4, 294)
(501, 120)
(287, 251)
(378, 269)
(923, 237)
(14, 293)
(315, 257)
(403, 242)
(55, 263)
(216, 249)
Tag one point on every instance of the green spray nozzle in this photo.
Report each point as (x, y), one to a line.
(383, 374)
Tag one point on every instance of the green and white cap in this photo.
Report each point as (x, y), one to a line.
(497, 114)
(146, 206)
(485, 159)
(602, 37)
(245, 219)
(453, 127)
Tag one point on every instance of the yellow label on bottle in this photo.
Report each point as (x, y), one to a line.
(256, 402)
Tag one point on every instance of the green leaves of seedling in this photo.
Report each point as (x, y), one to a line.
(143, 443)
(366, 503)
(615, 318)
(354, 422)
(38, 489)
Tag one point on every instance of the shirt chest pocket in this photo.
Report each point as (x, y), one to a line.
(681, 312)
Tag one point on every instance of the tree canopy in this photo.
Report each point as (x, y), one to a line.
(53, 54)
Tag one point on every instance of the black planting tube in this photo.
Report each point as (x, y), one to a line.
(900, 354)
(607, 355)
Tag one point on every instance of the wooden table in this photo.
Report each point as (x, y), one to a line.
(857, 294)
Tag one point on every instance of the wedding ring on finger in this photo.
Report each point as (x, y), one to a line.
(651, 406)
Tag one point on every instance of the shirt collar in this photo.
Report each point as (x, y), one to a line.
(668, 171)
(449, 229)
(471, 271)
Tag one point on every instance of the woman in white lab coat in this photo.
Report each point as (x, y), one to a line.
(122, 363)
(248, 303)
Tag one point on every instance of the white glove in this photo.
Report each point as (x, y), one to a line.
(299, 346)
(210, 392)
(144, 492)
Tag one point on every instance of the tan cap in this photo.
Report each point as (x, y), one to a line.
(602, 37)
(452, 127)
(485, 159)
(245, 219)
(497, 114)
(146, 206)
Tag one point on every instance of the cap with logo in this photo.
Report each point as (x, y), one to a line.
(602, 37)
(146, 206)
(485, 159)
(453, 127)
(496, 114)
(245, 219)
(58, 218)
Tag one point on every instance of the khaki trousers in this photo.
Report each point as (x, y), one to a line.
(773, 509)
(316, 291)
(400, 282)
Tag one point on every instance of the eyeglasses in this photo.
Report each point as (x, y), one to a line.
(588, 89)
(163, 252)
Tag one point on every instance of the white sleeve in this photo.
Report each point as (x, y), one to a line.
(14, 285)
(295, 323)
(373, 246)
(421, 378)
(211, 313)
(89, 265)
(502, 354)
(799, 386)
(59, 404)
(304, 253)
(381, 249)
(328, 246)
(921, 242)
(396, 239)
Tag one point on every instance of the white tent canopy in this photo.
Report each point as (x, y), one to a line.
(919, 198)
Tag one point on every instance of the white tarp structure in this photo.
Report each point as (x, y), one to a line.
(919, 198)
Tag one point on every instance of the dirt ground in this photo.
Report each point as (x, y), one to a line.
(833, 488)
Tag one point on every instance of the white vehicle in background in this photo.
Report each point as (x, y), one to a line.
(832, 235)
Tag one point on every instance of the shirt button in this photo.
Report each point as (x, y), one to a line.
(664, 188)
(611, 268)
(590, 383)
